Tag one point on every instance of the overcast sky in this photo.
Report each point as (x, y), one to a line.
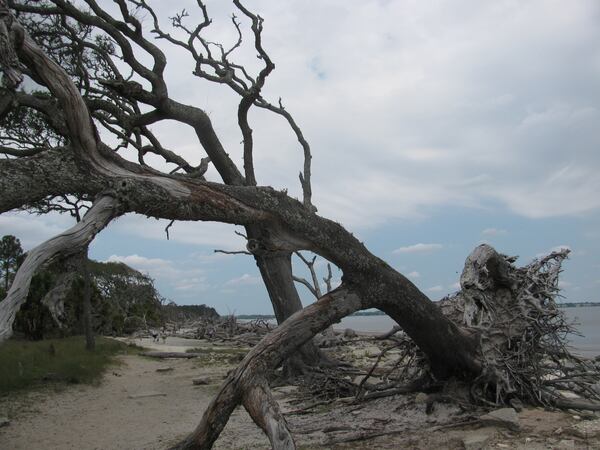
(435, 126)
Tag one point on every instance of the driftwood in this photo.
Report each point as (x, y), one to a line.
(388, 334)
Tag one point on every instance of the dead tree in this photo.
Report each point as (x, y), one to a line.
(88, 99)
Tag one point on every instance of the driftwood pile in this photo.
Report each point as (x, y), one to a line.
(221, 329)
(512, 311)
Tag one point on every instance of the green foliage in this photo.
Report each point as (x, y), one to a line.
(27, 364)
(33, 319)
(129, 299)
(11, 253)
(123, 299)
(181, 313)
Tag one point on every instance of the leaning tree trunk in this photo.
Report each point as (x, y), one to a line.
(276, 271)
(88, 327)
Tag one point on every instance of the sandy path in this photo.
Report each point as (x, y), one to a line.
(117, 415)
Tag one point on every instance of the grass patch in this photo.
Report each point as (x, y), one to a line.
(31, 364)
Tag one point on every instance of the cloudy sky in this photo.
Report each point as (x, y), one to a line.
(435, 126)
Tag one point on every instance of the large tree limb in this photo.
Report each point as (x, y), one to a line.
(68, 243)
(265, 412)
(266, 356)
(54, 172)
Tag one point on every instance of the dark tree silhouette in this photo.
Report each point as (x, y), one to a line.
(11, 253)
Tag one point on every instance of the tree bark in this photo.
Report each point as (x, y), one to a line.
(276, 271)
(88, 327)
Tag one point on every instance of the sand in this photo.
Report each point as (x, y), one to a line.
(134, 407)
(139, 406)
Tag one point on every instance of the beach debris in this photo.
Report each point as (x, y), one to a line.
(421, 397)
(477, 440)
(146, 395)
(349, 333)
(516, 404)
(165, 369)
(585, 429)
(566, 444)
(202, 381)
(4, 422)
(504, 417)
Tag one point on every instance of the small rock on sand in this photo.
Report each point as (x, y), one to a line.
(505, 417)
(349, 333)
(164, 369)
(200, 381)
(4, 422)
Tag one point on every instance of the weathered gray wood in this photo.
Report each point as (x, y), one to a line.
(268, 354)
(265, 412)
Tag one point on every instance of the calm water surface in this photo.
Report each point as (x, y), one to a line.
(587, 319)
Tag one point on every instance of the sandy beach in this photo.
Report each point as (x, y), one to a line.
(136, 406)
(148, 403)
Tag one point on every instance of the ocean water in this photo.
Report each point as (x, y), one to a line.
(586, 319)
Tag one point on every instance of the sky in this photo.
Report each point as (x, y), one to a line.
(435, 126)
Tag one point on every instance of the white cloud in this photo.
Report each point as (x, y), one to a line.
(180, 276)
(419, 248)
(560, 115)
(450, 117)
(436, 288)
(455, 286)
(143, 264)
(245, 280)
(562, 284)
(32, 230)
(493, 232)
(413, 274)
(209, 234)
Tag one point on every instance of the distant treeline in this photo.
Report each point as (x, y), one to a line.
(255, 316)
(174, 312)
(578, 304)
(380, 313)
(271, 316)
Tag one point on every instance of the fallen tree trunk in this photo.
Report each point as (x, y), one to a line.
(268, 354)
